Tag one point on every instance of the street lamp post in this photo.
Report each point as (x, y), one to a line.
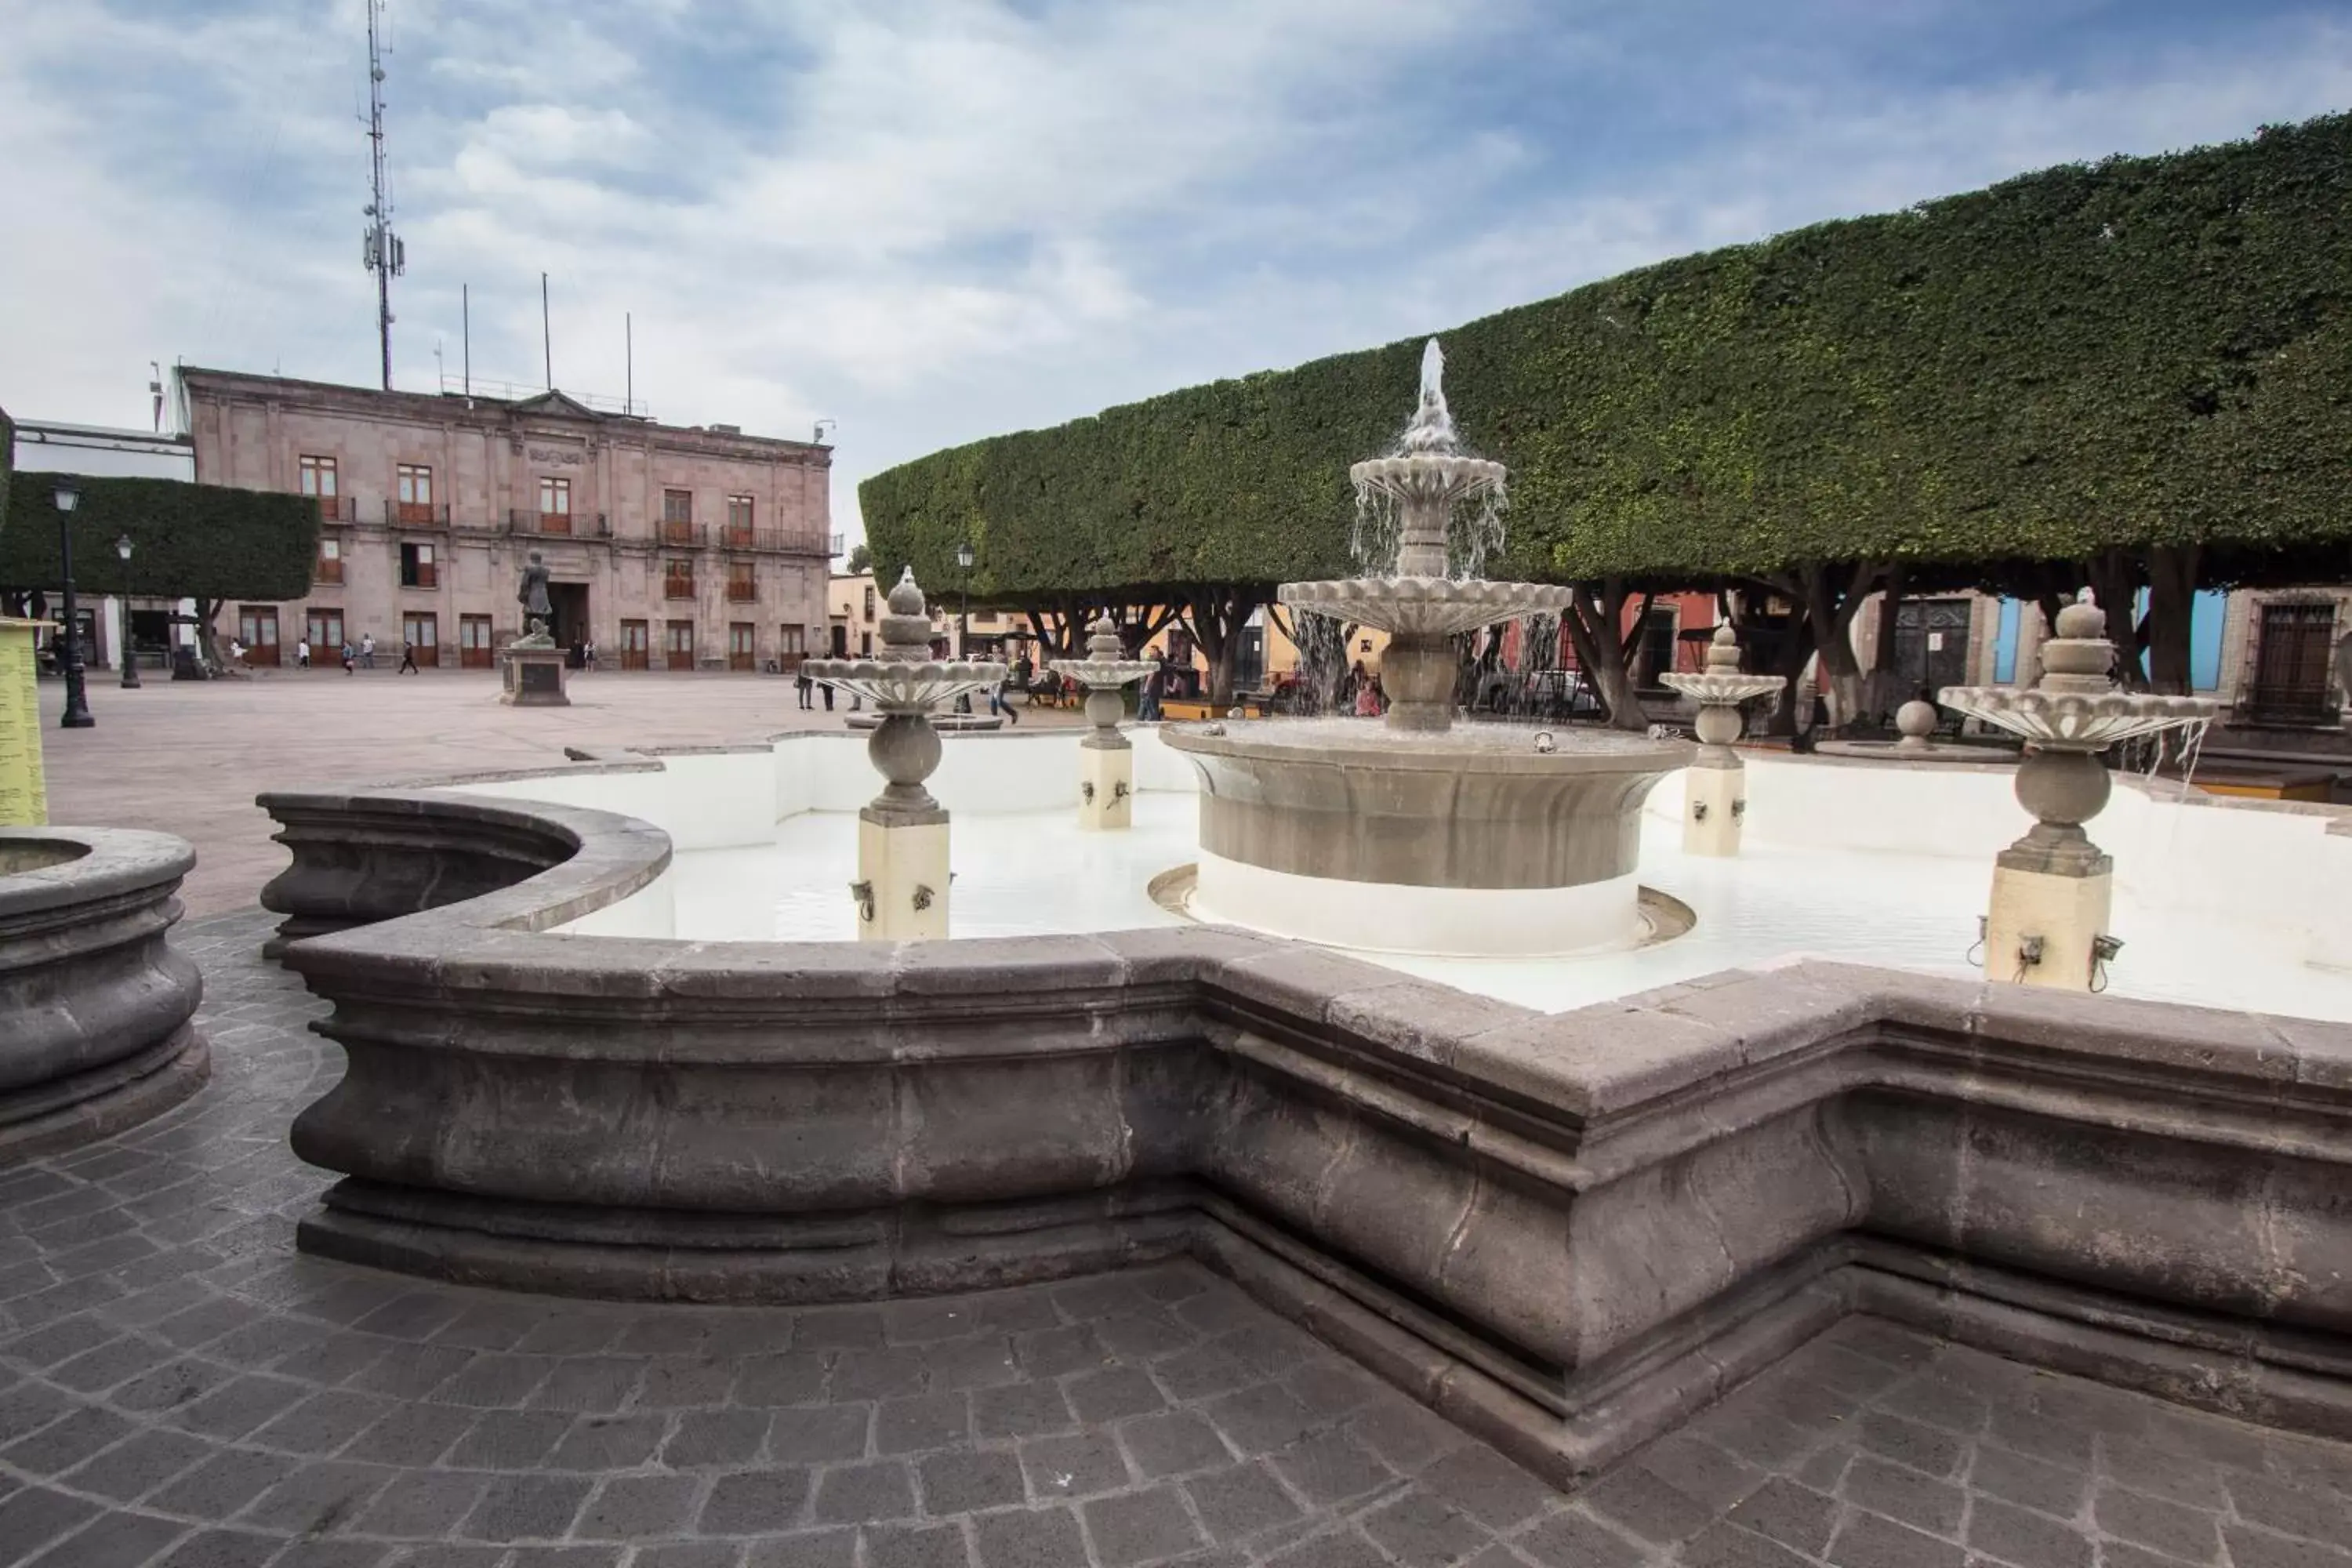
(77, 713)
(130, 649)
(964, 601)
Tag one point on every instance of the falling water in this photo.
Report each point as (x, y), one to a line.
(1382, 500)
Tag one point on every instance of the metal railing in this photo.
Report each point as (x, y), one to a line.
(559, 524)
(688, 534)
(414, 514)
(677, 587)
(337, 509)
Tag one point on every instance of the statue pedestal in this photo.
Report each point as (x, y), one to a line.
(902, 876)
(1715, 802)
(534, 677)
(1105, 786)
(2053, 894)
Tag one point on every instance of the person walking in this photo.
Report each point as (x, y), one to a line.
(409, 660)
(1146, 700)
(999, 706)
(367, 651)
(302, 654)
(805, 687)
(350, 658)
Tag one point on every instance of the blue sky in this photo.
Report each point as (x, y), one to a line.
(934, 220)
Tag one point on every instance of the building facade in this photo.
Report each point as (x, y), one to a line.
(671, 547)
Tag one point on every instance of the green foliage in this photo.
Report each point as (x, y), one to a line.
(2146, 351)
(188, 540)
(861, 558)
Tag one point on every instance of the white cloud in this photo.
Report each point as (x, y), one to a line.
(937, 219)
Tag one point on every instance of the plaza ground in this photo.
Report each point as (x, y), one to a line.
(180, 1388)
(188, 757)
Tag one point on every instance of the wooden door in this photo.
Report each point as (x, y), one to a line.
(743, 649)
(474, 642)
(256, 627)
(636, 646)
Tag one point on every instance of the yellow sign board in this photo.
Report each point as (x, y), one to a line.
(24, 795)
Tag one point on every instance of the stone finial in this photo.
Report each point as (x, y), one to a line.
(1102, 639)
(906, 627)
(1915, 722)
(1723, 651)
(2082, 621)
(2078, 655)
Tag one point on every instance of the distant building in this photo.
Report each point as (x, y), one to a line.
(96, 451)
(672, 548)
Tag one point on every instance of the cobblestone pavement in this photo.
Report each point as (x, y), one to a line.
(178, 1386)
(288, 729)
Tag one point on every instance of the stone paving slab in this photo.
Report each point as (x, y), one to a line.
(178, 1386)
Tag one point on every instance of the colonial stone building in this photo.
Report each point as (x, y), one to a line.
(672, 548)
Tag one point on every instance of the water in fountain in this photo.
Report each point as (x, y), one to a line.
(1388, 493)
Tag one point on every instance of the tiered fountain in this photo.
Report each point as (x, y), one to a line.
(901, 889)
(1416, 836)
(1715, 798)
(2053, 889)
(1105, 759)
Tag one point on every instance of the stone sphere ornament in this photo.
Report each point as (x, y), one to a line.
(1916, 722)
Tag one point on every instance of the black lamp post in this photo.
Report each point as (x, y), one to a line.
(129, 650)
(964, 601)
(77, 714)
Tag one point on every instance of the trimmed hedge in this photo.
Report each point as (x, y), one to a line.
(2142, 351)
(206, 542)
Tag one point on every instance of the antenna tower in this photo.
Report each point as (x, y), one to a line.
(382, 250)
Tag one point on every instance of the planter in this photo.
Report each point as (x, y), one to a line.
(95, 1008)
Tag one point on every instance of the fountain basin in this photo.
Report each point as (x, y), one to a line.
(1465, 841)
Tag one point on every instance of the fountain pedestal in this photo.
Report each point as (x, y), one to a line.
(1715, 791)
(902, 891)
(1105, 759)
(2053, 890)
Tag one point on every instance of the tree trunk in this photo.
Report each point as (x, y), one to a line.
(1594, 628)
(207, 643)
(1216, 616)
(2171, 600)
(2114, 577)
(1830, 599)
(1883, 685)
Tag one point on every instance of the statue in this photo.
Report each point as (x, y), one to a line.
(532, 597)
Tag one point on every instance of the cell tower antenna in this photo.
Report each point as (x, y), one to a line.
(382, 250)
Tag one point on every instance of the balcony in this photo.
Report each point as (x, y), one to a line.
(414, 514)
(424, 574)
(557, 524)
(742, 590)
(740, 536)
(337, 509)
(685, 533)
(675, 587)
(328, 571)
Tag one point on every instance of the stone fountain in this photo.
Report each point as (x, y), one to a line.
(1715, 798)
(1105, 759)
(2052, 890)
(902, 834)
(1414, 834)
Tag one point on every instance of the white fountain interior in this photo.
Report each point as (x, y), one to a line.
(2231, 903)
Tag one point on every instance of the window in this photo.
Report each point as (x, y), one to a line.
(869, 601)
(413, 487)
(554, 504)
(422, 632)
(330, 562)
(635, 645)
(677, 579)
(325, 630)
(318, 476)
(2295, 638)
(677, 645)
(474, 642)
(741, 646)
(416, 567)
(865, 645)
(742, 586)
(739, 521)
(677, 517)
(984, 617)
